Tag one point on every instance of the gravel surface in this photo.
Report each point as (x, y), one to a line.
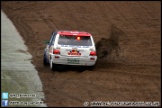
(127, 36)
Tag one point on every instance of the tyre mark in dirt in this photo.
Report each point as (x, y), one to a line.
(64, 95)
(125, 20)
(147, 76)
(147, 80)
(64, 85)
(118, 83)
(133, 28)
(79, 12)
(142, 83)
(135, 14)
(47, 21)
(101, 6)
(20, 26)
(91, 89)
(60, 88)
(94, 88)
(61, 94)
(151, 17)
(111, 9)
(89, 93)
(28, 35)
(140, 14)
(71, 12)
(38, 52)
(102, 89)
(22, 7)
(145, 10)
(27, 32)
(106, 20)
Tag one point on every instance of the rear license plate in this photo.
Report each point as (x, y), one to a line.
(73, 61)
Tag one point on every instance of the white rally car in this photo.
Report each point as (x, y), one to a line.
(70, 48)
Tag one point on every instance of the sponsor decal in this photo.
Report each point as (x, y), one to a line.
(74, 52)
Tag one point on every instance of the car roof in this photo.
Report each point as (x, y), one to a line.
(74, 33)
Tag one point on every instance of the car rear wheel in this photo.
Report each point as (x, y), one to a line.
(91, 68)
(45, 61)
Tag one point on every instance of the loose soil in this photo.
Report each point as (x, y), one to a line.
(127, 36)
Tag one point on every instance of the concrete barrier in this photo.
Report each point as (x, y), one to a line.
(18, 75)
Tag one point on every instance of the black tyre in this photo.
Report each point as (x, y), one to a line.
(45, 62)
(91, 68)
(81, 69)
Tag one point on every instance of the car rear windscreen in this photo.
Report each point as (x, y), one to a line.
(75, 40)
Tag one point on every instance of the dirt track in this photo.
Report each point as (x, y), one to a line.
(129, 69)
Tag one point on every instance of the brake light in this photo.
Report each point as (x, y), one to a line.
(56, 51)
(92, 53)
(78, 38)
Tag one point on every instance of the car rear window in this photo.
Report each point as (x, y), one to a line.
(75, 40)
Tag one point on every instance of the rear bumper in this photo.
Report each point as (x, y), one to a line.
(71, 60)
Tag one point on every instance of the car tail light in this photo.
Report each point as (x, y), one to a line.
(57, 57)
(92, 53)
(92, 58)
(56, 51)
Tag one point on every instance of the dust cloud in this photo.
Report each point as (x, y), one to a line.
(110, 47)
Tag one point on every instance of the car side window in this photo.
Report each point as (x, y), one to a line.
(52, 38)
